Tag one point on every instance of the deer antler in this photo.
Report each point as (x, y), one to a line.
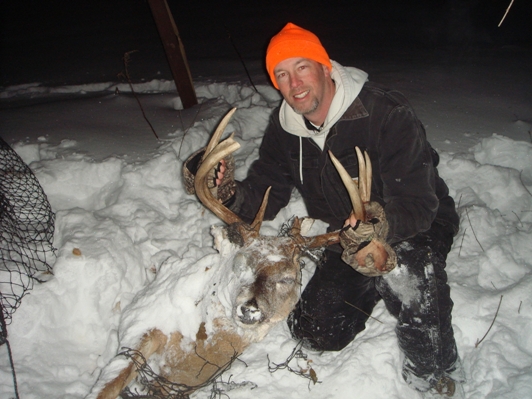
(217, 135)
(358, 193)
(214, 153)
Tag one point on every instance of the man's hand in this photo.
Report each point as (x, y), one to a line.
(220, 172)
(364, 242)
(221, 183)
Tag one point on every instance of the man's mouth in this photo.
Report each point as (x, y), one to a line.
(301, 95)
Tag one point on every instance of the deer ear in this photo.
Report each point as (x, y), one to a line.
(221, 242)
(240, 264)
(306, 225)
(219, 235)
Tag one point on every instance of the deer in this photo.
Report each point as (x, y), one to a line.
(265, 275)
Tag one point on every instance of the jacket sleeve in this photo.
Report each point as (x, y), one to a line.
(408, 174)
(270, 169)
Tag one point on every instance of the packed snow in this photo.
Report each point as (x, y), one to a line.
(143, 244)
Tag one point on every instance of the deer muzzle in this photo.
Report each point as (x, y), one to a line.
(249, 313)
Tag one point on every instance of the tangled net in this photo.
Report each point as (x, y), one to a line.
(26, 233)
(158, 387)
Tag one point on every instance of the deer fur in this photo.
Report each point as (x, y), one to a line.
(262, 275)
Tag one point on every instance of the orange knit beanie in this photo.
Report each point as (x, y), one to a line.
(293, 41)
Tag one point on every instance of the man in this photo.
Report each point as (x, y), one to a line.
(330, 107)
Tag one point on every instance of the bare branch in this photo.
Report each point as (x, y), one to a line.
(462, 242)
(367, 314)
(467, 214)
(125, 73)
(298, 354)
(506, 13)
(521, 180)
(496, 313)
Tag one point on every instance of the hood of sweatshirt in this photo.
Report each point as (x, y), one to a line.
(349, 82)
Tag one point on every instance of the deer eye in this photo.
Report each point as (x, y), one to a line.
(287, 281)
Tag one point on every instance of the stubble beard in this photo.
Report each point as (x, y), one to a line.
(307, 110)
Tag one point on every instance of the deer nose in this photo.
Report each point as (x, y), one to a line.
(249, 313)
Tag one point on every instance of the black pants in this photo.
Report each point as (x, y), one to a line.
(336, 303)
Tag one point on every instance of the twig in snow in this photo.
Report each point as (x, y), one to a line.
(462, 242)
(298, 354)
(506, 13)
(519, 310)
(521, 180)
(158, 387)
(467, 214)
(125, 74)
(493, 322)
(367, 314)
(518, 218)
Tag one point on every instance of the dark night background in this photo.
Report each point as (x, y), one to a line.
(58, 42)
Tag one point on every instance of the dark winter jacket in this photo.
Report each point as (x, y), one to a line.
(405, 179)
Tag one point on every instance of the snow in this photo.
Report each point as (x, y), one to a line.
(118, 196)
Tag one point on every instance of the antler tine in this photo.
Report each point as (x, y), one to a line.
(217, 135)
(364, 175)
(220, 151)
(361, 175)
(259, 217)
(352, 189)
(369, 177)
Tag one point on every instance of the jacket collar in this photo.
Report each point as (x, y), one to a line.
(355, 111)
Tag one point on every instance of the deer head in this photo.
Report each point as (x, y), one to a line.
(269, 267)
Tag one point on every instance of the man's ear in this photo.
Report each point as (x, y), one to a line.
(326, 70)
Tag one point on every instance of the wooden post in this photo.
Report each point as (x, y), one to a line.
(175, 51)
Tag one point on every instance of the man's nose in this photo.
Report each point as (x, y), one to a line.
(294, 81)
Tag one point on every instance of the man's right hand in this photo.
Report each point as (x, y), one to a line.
(221, 183)
(220, 172)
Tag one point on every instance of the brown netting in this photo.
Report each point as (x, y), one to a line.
(26, 233)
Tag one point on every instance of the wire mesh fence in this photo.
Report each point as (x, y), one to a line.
(26, 233)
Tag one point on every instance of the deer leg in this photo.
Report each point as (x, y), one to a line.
(153, 341)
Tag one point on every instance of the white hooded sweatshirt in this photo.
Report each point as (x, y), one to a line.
(349, 81)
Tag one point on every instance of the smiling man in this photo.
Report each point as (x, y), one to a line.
(328, 107)
(306, 87)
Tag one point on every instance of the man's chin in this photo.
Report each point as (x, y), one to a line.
(301, 110)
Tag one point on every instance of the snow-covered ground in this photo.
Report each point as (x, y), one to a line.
(118, 196)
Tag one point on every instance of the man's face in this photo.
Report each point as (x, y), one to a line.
(305, 85)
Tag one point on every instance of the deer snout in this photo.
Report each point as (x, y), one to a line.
(249, 313)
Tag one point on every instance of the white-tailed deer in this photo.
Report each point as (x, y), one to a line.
(265, 281)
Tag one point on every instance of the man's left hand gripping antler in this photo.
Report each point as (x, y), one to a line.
(364, 236)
